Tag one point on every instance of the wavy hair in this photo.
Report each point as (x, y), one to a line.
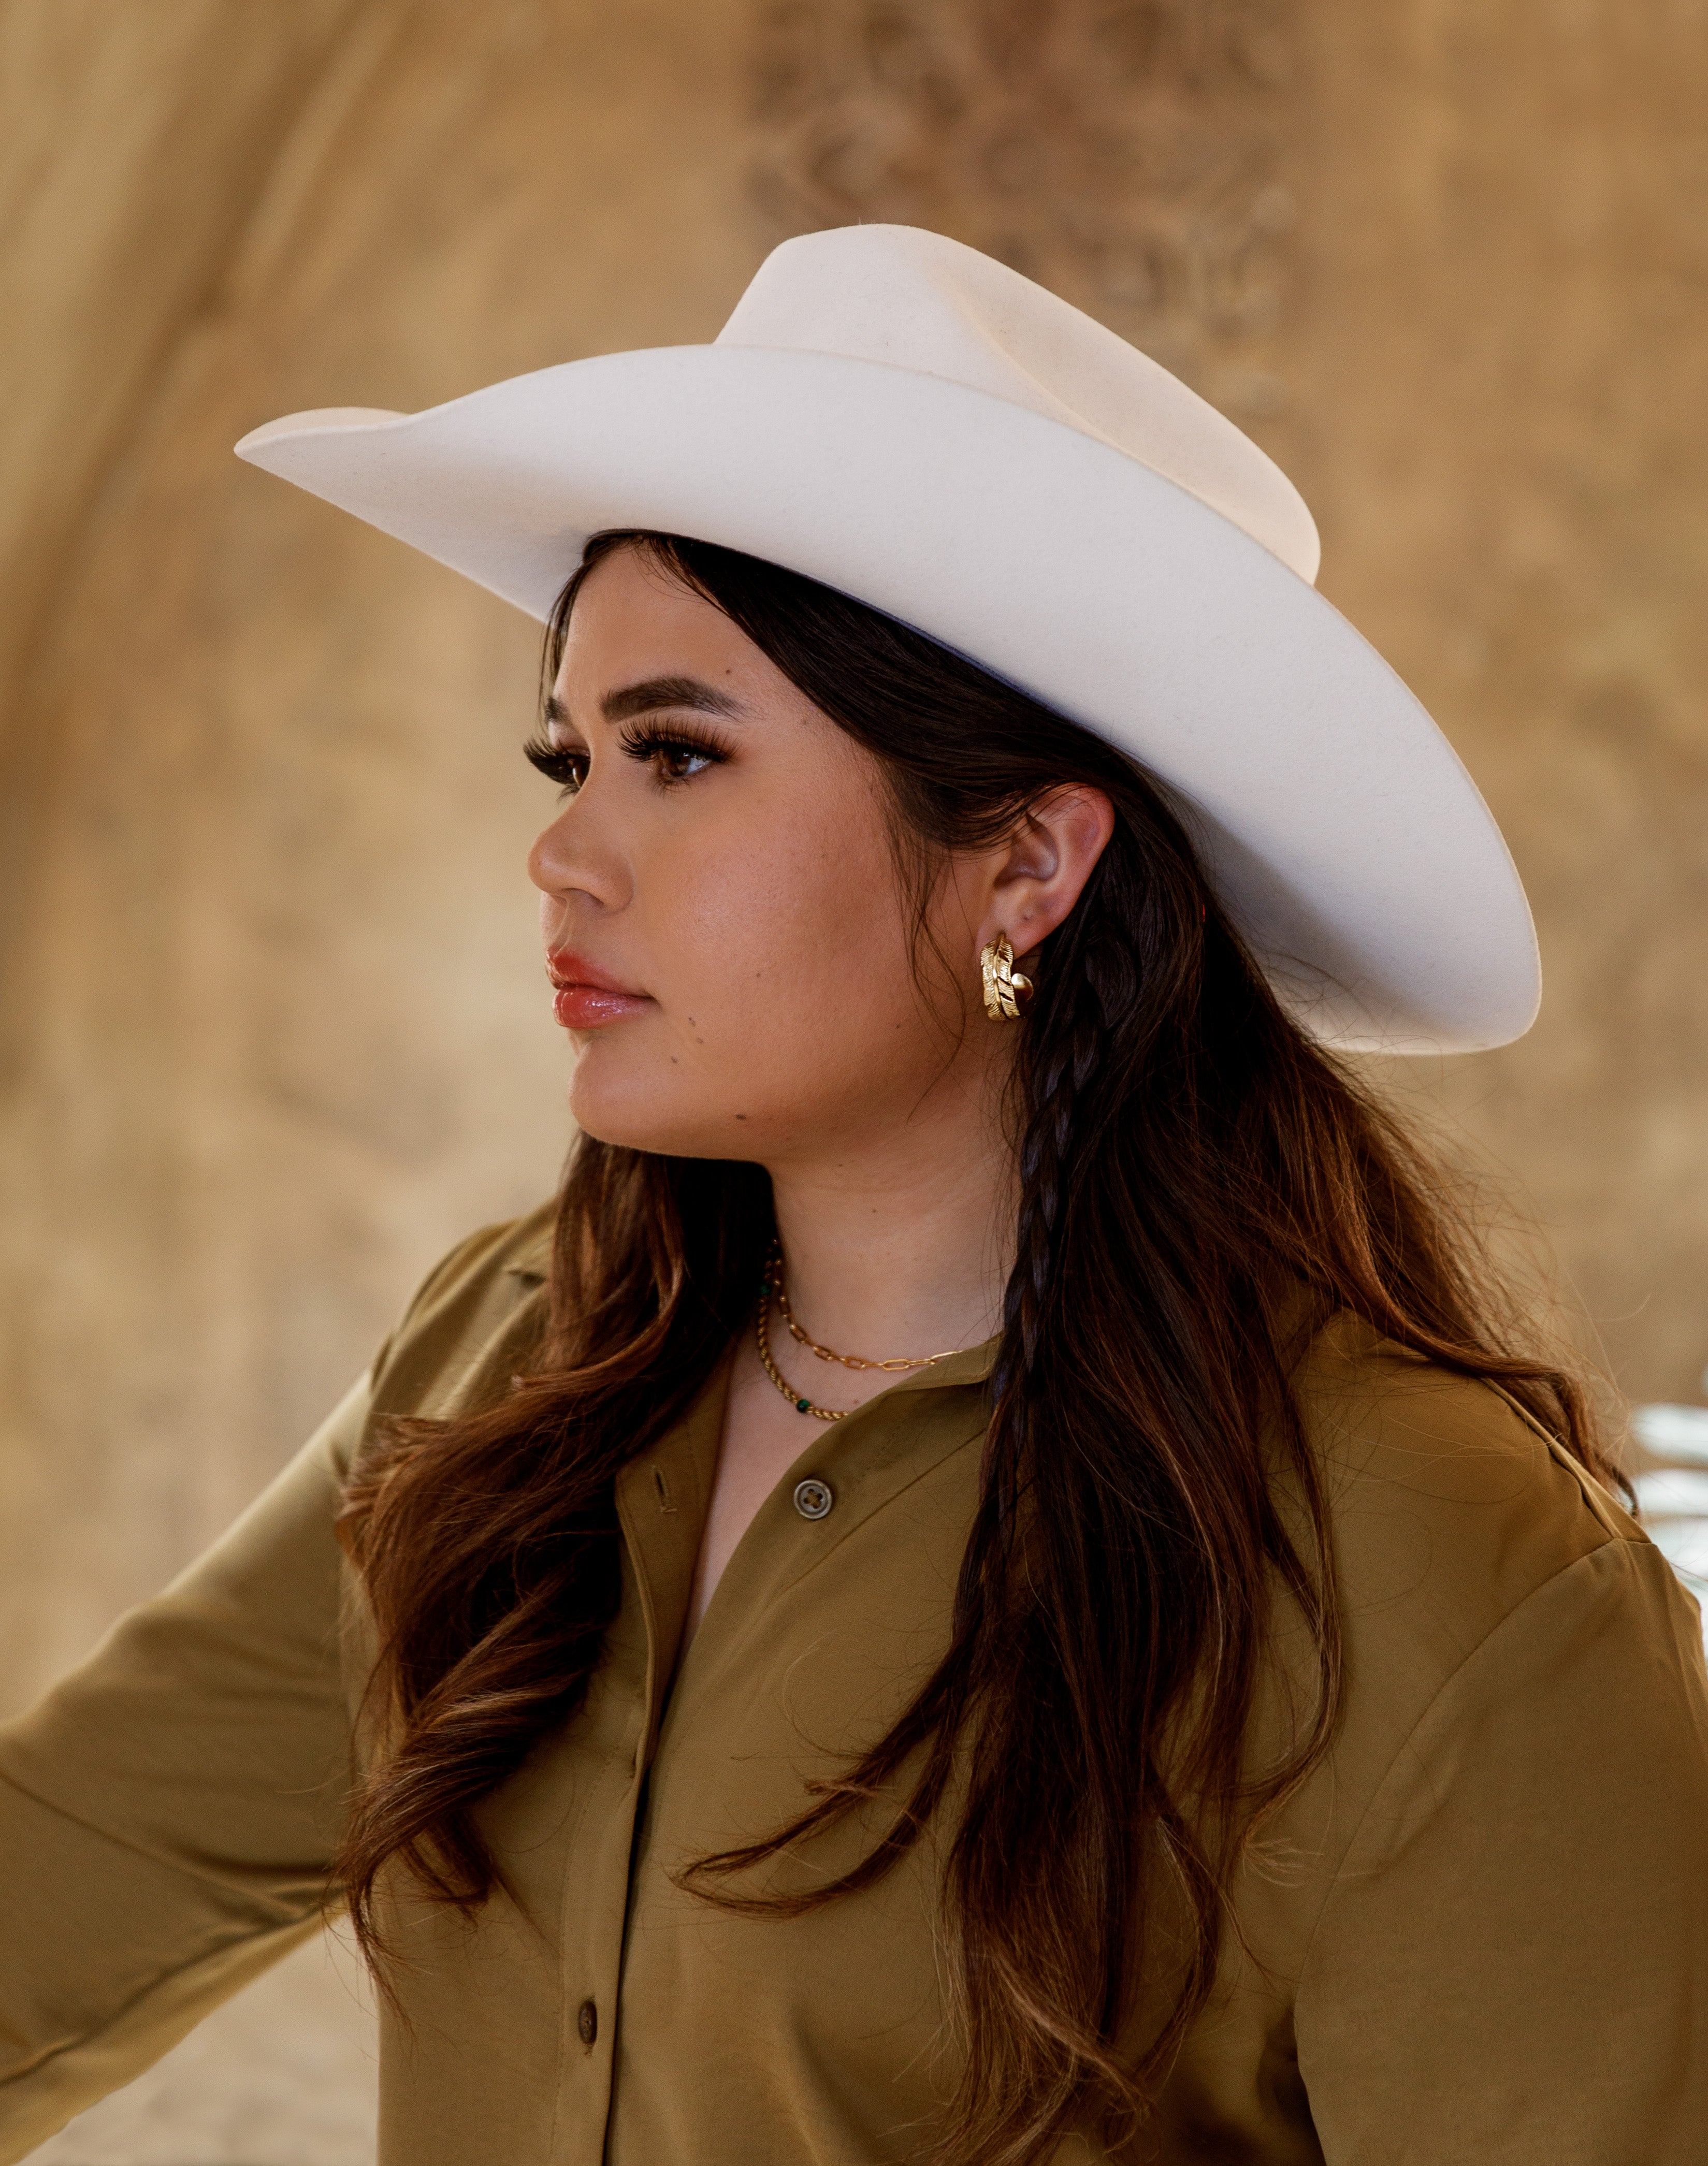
(1196, 1175)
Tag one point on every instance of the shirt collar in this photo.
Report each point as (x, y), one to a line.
(533, 1260)
(971, 1366)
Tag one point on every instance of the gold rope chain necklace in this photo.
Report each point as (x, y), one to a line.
(771, 1285)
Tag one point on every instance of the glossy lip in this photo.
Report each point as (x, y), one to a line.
(585, 997)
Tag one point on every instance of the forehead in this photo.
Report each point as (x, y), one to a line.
(634, 625)
(629, 608)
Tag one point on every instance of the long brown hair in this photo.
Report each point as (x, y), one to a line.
(1196, 1175)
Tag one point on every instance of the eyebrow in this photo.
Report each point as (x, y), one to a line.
(652, 693)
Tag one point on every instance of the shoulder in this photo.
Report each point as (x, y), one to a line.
(1487, 1586)
(1507, 1837)
(478, 1305)
(1443, 1495)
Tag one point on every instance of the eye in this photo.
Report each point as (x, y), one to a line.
(564, 764)
(676, 754)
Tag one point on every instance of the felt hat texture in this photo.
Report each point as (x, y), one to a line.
(917, 425)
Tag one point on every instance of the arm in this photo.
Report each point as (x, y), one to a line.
(1512, 1967)
(169, 1813)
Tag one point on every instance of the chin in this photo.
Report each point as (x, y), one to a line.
(668, 1123)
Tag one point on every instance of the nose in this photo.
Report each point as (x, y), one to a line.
(548, 860)
(570, 859)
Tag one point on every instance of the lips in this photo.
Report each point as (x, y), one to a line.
(585, 997)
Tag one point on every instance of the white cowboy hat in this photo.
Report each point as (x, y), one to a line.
(902, 418)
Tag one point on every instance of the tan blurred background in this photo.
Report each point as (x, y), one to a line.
(271, 1025)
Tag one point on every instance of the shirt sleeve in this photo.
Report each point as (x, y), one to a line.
(1512, 1967)
(169, 1813)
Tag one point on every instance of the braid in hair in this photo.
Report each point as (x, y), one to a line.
(1060, 1067)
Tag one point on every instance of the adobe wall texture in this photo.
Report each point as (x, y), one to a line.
(271, 1031)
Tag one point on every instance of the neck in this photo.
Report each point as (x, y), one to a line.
(904, 1248)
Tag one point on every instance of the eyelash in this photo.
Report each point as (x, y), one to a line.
(567, 769)
(639, 741)
(647, 741)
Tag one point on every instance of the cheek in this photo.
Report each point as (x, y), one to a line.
(778, 957)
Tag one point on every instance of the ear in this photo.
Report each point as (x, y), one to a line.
(1036, 879)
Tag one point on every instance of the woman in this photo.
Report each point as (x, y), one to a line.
(990, 1582)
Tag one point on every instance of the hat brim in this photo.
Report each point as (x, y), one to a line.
(1341, 831)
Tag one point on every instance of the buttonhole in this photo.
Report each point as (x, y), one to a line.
(665, 1502)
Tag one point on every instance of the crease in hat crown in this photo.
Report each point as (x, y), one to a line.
(919, 301)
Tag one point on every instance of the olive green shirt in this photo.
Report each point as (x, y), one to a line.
(1478, 1937)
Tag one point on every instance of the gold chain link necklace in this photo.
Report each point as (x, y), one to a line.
(771, 1286)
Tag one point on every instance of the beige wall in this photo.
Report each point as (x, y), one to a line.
(1501, 340)
(270, 1026)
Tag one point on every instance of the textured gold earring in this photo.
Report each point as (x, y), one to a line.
(1005, 989)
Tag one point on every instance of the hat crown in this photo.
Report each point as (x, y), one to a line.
(916, 300)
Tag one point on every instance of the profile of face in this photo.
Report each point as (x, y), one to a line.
(730, 938)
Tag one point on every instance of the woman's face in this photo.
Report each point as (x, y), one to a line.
(724, 920)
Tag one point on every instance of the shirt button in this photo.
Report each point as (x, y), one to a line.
(587, 2022)
(813, 1499)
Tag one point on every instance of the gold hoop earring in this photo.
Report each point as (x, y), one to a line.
(1005, 989)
